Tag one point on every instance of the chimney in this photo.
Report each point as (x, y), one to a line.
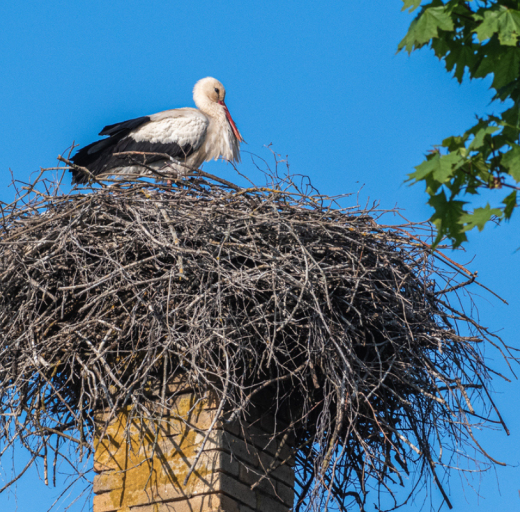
(142, 463)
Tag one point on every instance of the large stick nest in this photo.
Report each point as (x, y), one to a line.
(272, 296)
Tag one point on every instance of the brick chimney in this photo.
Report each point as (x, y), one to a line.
(141, 467)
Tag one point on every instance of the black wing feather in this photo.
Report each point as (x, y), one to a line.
(94, 156)
(129, 125)
(99, 157)
(128, 144)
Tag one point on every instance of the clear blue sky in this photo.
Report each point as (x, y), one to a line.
(320, 81)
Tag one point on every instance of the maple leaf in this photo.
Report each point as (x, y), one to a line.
(474, 40)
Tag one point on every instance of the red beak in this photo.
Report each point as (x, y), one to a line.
(231, 122)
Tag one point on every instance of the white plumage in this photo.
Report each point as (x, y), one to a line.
(187, 135)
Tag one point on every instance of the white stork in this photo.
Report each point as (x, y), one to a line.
(188, 135)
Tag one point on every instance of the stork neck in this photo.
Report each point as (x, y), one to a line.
(210, 108)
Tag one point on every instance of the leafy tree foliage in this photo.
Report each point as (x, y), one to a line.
(474, 39)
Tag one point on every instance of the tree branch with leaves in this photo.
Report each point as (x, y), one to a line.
(474, 39)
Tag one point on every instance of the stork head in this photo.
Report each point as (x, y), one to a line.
(208, 89)
(209, 95)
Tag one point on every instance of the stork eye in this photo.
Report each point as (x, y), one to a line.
(217, 90)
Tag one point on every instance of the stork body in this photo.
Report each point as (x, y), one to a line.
(187, 135)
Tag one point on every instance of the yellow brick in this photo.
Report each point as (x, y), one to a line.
(108, 481)
(143, 464)
(157, 491)
(207, 503)
(104, 503)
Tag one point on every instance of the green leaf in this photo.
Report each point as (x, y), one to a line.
(509, 27)
(448, 164)
(486, 67)
(489, 25)
(441, 47)
(479, 217)
(447, 219)
(411, 5)
(431, 20)
(506, 67)
(511, 161)
(511, 122)
(454, 142)
(510, 202)
(478, 140)
(426, 26)
(427, 167)
(460, 57)
(502, 21)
